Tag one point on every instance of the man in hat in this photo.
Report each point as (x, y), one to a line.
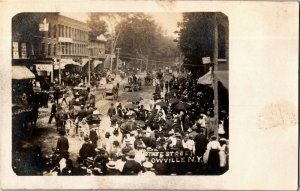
(193, 132)
(169, 122)
(127, 148)
(131, 167)
(62, 144)
(93, 135)
(148, 166)
(138, 141)
(200, 143)
(119, 110)
(111, 111)
(111, 168)
(87, 150)
(101, 159)
(116, 136)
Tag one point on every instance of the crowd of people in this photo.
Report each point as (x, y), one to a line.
(179, 119)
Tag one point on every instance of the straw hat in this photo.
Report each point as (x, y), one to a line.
(147, 164)
(111, 165)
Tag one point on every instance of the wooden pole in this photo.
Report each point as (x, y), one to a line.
(215, 81)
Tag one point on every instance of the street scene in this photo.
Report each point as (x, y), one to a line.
(103, 94)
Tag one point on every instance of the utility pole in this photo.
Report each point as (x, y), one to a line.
(59, 67)
(111, 53)
(147, 63)
(118, 52)
(215, 81)
(89, 56)
(141, 61)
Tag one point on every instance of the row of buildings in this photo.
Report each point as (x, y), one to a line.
(50, 44)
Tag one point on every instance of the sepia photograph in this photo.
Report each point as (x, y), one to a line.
(96, 94)
(138, 94)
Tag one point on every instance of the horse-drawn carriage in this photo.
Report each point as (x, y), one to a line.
(134, 84)
(112, 92)
(82, 96)
(148, 79)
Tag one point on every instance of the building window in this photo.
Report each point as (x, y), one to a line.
(54, 49)
(54, 31)
(59, 30)
(62, 30)
(43, 48)
(49, 49)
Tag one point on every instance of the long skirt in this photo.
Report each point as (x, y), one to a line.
(214, 159)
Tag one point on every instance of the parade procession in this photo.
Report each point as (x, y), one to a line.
(124, 98)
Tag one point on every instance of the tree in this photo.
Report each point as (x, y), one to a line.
(141, 37)
(97, 25)
(196, 37)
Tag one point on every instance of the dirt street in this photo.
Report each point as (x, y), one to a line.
(46, 135)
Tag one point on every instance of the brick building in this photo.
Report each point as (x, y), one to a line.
(49, 42)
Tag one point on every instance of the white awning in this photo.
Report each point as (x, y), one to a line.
(21, 73)
(64, 62)
(206, 79)
(221, 76)
(97, 62)
(84, 61)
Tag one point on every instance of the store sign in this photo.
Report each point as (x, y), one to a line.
(65, 39)
(206, 60)
(56, 66)
(172, 157)
(44, 26)
(44, 67)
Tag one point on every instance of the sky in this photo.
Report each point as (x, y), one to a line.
(168, 21)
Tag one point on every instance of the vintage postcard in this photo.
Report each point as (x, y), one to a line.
(149, 95)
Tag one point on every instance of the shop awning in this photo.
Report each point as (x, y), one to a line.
(21, 73)
(64, 62)
(206, 79)
(222, 76)
(84, 61)
(69, 61)
(97, 62)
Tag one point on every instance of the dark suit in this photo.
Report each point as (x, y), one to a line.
(111, 111)
(200, 144)
(62, 145)
(131, 167)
